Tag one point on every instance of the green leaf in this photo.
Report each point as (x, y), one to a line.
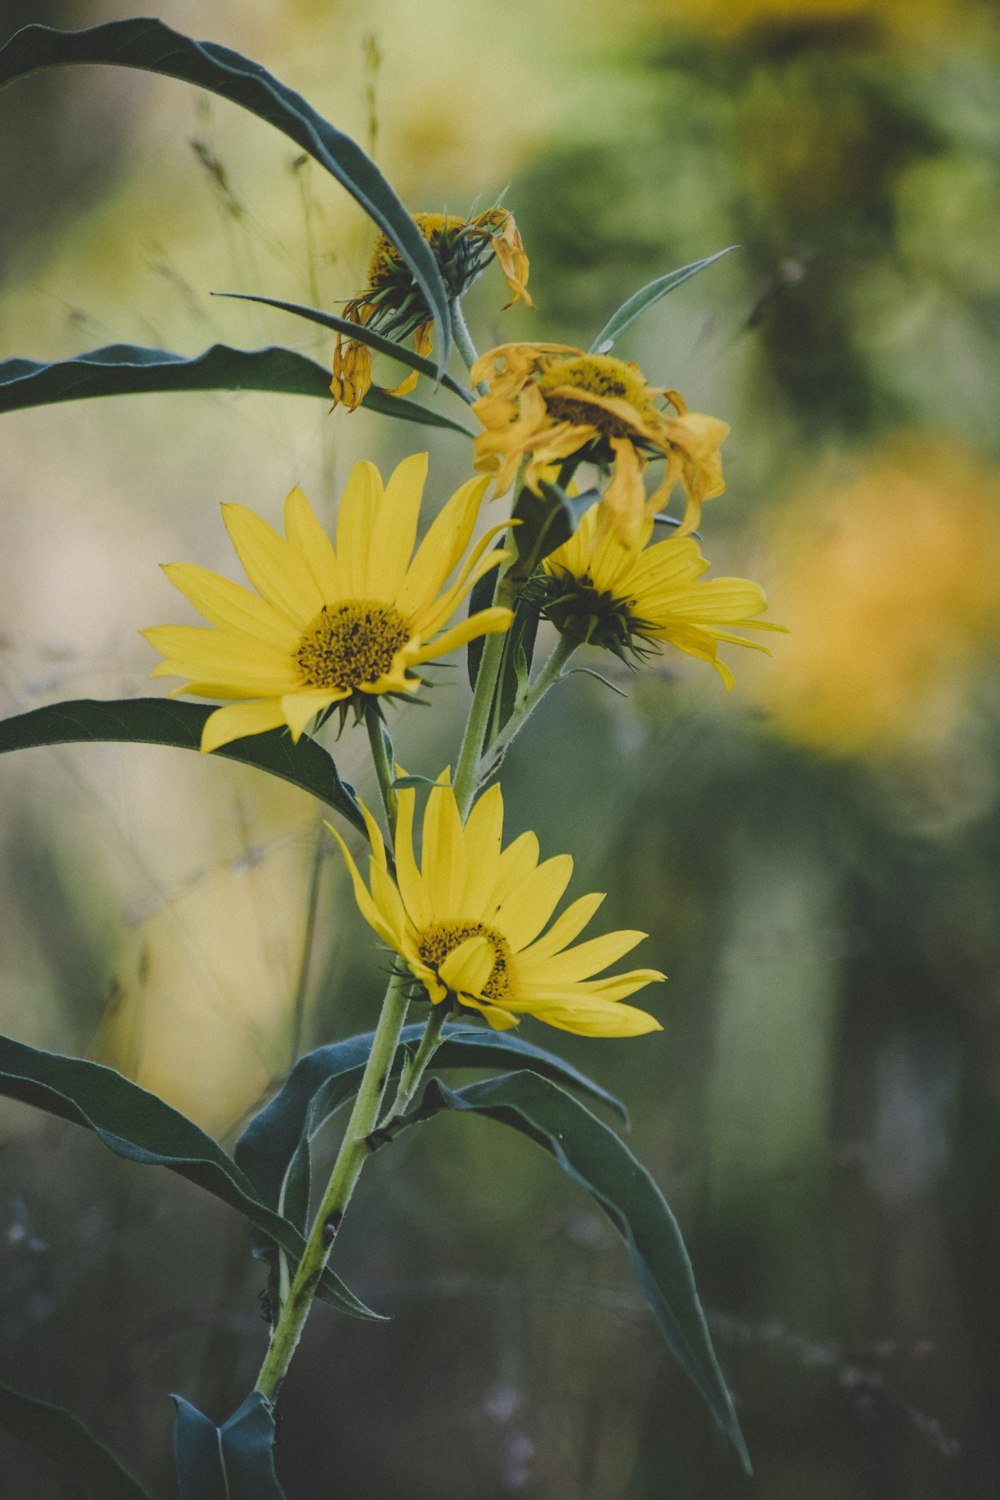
(645, 297)
(143, 1128)
(129, 370)
(518, 653)
(593, 1156)
(156, 48)
(547, 519)
(164, 721)
(231, 1462)
(362, 334)
(68, 1445)
(273, 1150)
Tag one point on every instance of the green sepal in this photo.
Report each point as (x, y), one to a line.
(130, 370)
(153, 47)
(143, 1128)
(165, 721)
(68, 1445)
(645, 297)
(231, 1462)
(593, 1156)
(361, 334)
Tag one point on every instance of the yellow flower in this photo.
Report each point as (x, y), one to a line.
(468, 922)
(393, 305)
(553, 402)
(601, 593)
(327, 627)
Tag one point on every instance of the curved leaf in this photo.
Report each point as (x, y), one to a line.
(273, 1150)
(359, 332)
(130, 370)
(231, 1462)
(644, 298)
(547, 519)
(143, 1128)
(593, 1156)
(156, 48)
(165, 721)
(66, 1443)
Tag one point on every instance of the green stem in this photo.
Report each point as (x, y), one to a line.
(354, 1152)
(466, 782)
(383, 762)
(547, 678)
(412, 1075)
(463, 342)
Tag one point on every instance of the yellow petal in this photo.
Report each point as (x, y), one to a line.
(411, 887)
(483, 835)
(274, 568)
(302, 707)
(444, 865)
(358, 505)
(395, 527)
(238, 720)
(529, 905)
(492, 621)
(581, 962)
(467, 968)
(202, 653)
(231, 606)
(310, 541)
(565, 928)
(446, 540)
(362, 896)
(589, 1017)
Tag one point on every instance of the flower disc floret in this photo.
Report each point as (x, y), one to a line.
(631, 599)
(475, 924)
(550, 403)
(327, 626)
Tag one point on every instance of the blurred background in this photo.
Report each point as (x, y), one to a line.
(813, 855)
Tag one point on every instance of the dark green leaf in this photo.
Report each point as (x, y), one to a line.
(362, 334)
(593, 1156)
(143, 1128)
(164, 721)
(637, 304)
(480, 598)
(67, 1444)
(156, 48)
(547, 521)
(128, 370)
(273, 1150)
(518, 653)
(231, 1462)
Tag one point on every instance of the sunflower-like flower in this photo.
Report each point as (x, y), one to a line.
(328, 626)
(553, 402)
(468, 922)
(393, 304)
(599, 592)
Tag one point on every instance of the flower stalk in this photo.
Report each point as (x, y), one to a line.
(353, 1153)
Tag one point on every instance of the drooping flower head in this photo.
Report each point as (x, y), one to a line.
(393, 304)
(473, 922)
(328, 626)
(551, 402)
(599, 592)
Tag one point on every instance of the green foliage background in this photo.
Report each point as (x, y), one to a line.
(816, 872)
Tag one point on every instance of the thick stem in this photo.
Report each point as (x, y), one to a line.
(466, 782)
(353, 1153)
(383, 762)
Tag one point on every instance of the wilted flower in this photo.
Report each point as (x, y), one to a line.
(393, 305)
(553, 402)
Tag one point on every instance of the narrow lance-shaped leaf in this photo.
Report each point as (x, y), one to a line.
(593, 1156)
(164, 721)
(153, 47)
(64, 1441)
(359, 332)
(231, 1462)
(143, 1128)
(644, 298)
(129, 370)
(273, 1150)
